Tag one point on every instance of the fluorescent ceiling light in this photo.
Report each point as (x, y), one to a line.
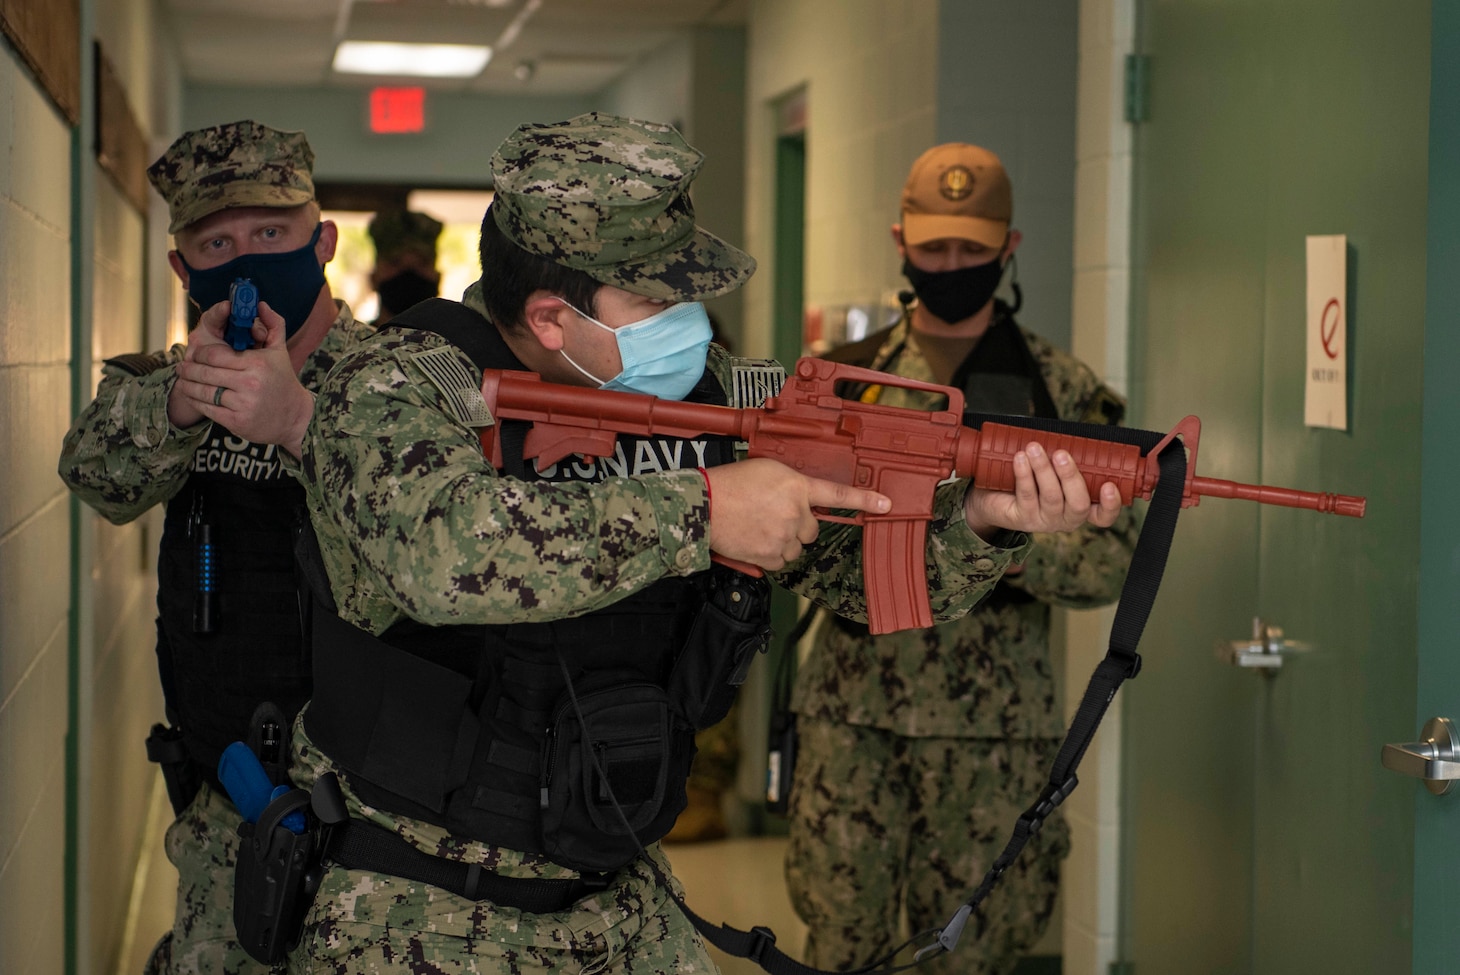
(416, 60)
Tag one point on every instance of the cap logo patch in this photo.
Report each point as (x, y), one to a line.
(956, 183)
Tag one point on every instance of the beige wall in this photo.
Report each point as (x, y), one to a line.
(1100, 337)
(35, 215)
(121, 696)
(697, 83)
(869, 69)
(35, 536)
(112, 667)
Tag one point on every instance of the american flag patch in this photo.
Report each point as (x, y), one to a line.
(462, 390)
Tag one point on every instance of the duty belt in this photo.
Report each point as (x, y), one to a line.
(358, 845)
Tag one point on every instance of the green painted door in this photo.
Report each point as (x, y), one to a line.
(1437, 819)
(1261, 833)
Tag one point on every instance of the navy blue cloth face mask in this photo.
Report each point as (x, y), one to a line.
(289, 282)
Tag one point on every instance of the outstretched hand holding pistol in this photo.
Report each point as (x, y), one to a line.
(255, 393)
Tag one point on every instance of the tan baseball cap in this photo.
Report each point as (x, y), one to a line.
(240, 164)
(957, 190)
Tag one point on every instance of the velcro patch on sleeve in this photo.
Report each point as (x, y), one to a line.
(460, 386)
(138, 363)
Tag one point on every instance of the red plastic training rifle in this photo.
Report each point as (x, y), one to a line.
(901, 453)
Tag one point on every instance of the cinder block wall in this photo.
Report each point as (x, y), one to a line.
(1100, 337)
(869, 70)
(76, 634)
(35, 533)
(122, 696)
(1007, 81)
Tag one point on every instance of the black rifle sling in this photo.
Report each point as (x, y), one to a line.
(1121, 662)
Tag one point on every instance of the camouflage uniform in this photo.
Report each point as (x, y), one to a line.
(414, 523)
(122, 456)
(399, 232)
(202, 843)
(405, 260)
(920, 748)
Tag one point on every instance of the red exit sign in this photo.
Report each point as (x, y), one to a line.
(397, 110)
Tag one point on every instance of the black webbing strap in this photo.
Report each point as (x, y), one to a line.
(358, 845)
(1121, 662)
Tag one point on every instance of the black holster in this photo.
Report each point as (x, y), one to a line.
(731, 629)
(276, 879)
(165, 746)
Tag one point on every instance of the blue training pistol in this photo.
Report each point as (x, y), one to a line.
(243, 308)
(248, 785)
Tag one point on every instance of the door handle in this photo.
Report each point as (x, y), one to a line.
(1264, 652)
(1435, 758)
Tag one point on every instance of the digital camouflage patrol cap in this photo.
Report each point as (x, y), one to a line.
(609, 196)
(398, 232)
(241, 164)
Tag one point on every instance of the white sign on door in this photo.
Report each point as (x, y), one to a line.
(1326, 401)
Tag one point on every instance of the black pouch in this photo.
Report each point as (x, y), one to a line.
(276, 879)
(166, 747)
(729, 631)
(631, 764)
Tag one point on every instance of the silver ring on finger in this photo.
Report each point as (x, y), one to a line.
(218, 396)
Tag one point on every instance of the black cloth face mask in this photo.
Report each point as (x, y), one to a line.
(401, 291)
(955, 295)
(289, 281)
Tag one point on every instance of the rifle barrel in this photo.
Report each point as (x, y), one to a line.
(1336, 504)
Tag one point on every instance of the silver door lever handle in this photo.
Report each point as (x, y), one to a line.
(1435, 758)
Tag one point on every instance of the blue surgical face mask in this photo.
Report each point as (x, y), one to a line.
(289, 282)
(663, 355)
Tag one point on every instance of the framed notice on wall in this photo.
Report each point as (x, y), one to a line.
(47, 35)
(1325, 400)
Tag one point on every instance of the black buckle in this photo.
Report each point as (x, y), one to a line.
(762, 938)
(592, 883)
(1049, 800)
(1133, 666)
(471, 888)
(165, 745)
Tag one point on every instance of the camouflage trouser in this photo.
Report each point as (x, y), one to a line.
(878, 819)
(203, 844)
(366, 923)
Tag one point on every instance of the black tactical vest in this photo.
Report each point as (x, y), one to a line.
(228, 630)
(570, 738)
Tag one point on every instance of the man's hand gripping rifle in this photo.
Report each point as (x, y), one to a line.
(902, 453)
